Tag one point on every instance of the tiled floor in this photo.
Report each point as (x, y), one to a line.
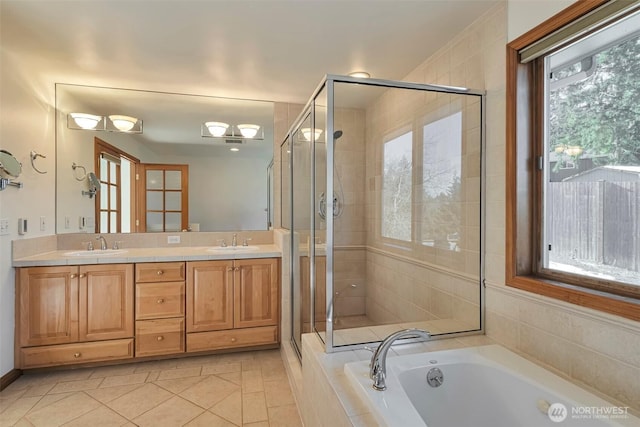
(240, 389)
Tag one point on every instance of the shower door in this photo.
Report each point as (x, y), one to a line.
(300, 147)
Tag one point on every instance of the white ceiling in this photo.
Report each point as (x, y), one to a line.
(261, 49)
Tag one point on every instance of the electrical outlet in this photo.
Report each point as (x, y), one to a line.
(173, 239)
(43, 223)
(67, 222)
(4, 227)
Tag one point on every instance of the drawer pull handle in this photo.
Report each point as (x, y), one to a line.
(160, 273)
(160, 338)
(77, 355)
(229, 268)
(233, 340)
(160, 301)
(73, 276)
(236, 269)
(82, 275)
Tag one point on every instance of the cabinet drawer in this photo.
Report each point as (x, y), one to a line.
(158, 300)
(160, 272)
(231, 338)
(66, 354)
(162, 336)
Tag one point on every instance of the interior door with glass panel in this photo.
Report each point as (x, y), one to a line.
(165, 197)
(116, 200)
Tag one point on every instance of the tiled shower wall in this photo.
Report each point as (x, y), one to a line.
(405, 290)
(426, 283)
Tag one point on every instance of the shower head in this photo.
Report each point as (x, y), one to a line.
(337, 134)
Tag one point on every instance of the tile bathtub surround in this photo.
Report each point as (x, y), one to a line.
(327, 390)
(238, 389)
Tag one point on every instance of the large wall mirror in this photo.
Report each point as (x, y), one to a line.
(141, 161)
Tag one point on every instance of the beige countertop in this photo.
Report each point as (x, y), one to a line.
(134, 255)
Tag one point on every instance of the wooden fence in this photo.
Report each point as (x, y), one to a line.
(595, 221)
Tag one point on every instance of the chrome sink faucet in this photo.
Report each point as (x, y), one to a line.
(103, 242)
(234, 240)
(378, 366)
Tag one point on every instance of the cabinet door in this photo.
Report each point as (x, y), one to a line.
(106, 302)
(256, 293)
(209, 296)
(48, 305)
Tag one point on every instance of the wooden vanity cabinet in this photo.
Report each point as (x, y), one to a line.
(160, 308)
(232, 304)
(79, 314)
(82, 306)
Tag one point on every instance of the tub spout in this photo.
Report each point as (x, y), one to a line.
(378, 370)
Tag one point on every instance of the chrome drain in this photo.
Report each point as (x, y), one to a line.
(435, 377)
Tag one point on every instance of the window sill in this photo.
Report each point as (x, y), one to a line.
(628, 308)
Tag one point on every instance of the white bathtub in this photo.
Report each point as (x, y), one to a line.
(483, 386)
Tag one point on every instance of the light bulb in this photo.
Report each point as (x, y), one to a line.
(86, 121)
(248, 131)
(306, 133)
(123, 123)
(217, 129)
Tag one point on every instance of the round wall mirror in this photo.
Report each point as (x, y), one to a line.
(10, 168)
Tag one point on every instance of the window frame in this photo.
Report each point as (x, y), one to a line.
(524, 144)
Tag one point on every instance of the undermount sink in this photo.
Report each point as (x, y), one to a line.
(233, 249)
(96, 253)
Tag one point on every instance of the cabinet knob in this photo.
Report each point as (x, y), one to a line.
(233, 339)
(77, 355)
(73, 276)
(160, 338)
(160, 301)
(82, 275)
(160, 273)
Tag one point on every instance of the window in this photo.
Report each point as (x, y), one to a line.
(397, 188)
(573, 158)
(441, 182)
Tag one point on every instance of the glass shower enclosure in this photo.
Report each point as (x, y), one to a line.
(383, 197)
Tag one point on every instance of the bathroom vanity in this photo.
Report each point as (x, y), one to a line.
(112, 310)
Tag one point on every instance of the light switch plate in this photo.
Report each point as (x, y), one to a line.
(4, 227)
(43, 223)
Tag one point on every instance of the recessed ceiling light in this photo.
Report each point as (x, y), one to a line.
(360, 74)
(234, 149)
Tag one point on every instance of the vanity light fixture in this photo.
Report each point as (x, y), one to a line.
(360, 74)
(123, 123)
(248, 130)
(86, 121)
(112, 123)
(217, 129)
(306, 133)
(231, 133)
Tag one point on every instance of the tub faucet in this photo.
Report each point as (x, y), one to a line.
(103, 242)
(378, 366)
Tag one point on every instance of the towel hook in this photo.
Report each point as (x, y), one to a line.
(34, 156)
